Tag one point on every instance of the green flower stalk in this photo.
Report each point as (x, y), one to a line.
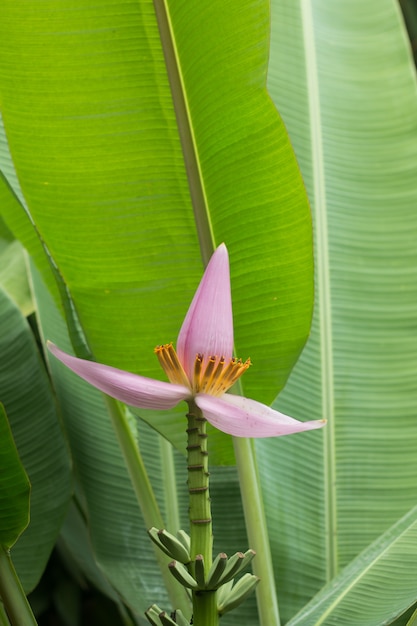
(201, 548)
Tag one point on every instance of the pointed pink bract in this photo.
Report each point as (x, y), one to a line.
(242, 417)
(139, 391)
(208, 326)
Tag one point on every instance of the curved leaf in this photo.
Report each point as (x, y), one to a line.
(345, 83)
(375, 587)
(13, 271)
(119, 539)
(15, 212)
(74, 545)
(14, 487)
(95, 141)
(413, 619)
(30, 406)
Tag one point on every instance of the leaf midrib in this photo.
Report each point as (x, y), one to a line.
(323, 288)
(186, 131)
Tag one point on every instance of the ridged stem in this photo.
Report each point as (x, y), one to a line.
(204, 602)
(12, 594)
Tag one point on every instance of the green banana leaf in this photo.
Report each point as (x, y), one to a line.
(409, 10)
(14, 210)
(413, 619)
(13, 275)
(127, 228)
(346, 86)
(127, 187)
(99, 156)
(376, 575)
(75, 548)
(14, 487)
(28, 400)
(118, 534)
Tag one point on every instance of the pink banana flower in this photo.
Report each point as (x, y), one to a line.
(202, 369)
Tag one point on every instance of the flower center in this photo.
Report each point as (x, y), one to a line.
(213, 376)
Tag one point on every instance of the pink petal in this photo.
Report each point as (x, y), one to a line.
(208, 326)
(242, 417)
(145, 393)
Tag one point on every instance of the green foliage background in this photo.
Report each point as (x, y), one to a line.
(130, 150)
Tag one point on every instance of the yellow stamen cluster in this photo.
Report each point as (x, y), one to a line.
(217, 376)
(213, 377)
(171, 364)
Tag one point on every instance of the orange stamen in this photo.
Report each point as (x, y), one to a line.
(213, 378)
(208, 374)
(171, 364)
(217, 379)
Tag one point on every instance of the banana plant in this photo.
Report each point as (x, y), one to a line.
(138, 138)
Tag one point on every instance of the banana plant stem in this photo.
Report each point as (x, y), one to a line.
(4, 621)
(204, 602)
(12, 594)
(257, 531)
(145, 496)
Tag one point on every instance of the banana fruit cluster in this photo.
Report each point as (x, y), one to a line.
(191, 574)
(157, 617)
